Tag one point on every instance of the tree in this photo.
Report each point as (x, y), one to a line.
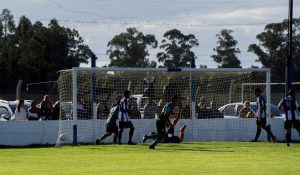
(177, 49)
(227, 51)
(130, 49)
(8, 24)
(7, 43)
(272, 49)
(34, 52)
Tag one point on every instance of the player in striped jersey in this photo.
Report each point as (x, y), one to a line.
(124, 120)
(261, 116)
(290, 106)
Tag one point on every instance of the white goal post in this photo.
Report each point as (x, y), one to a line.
(83, 90)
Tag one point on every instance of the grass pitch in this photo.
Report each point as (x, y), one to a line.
(185, 158)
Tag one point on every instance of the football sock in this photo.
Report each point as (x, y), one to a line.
(181, 132)
(288, 137)
(130, 134)
(105, 135)
(120, 135)
(175, 120)
(258, 131)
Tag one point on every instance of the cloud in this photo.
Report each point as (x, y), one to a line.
(99, 21)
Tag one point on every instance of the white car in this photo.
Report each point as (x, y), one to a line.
(232, 110)
(7, 108)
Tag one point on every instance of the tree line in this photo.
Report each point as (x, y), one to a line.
(35, 52)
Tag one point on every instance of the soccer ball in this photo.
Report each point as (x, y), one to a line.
(62, 137)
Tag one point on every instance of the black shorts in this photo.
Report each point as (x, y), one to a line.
(112, 128)
(125, 125)
(160, 127)
(288, 124)
(262, 122)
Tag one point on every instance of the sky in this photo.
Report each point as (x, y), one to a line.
(98, 21)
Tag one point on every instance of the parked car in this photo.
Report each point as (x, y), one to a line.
(7, 108)
(232, 110)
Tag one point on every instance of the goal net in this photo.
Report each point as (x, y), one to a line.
(209, 101)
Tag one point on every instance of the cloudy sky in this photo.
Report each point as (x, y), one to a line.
(99, 20)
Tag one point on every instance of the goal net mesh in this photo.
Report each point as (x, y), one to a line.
(202, 96)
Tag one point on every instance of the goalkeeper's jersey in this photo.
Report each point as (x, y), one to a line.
(113, 115)
(168, 108)
(290, 106)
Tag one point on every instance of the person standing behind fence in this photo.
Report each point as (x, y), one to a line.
(246, 111)
(149, 90)
(46, 107)
(290, 105)
(20, 112)
(56, 110)
(261, 115)
(124, 120)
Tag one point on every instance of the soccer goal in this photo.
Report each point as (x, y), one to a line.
(87, 94)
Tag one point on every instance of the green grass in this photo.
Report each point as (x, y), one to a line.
(184, 158)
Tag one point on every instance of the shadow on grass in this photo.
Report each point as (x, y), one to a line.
(27, 146)
(195, 148)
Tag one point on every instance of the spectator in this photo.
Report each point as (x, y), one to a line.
(186, 110)
(202, 110)
(56, 110)
(149, 90)
(34, 113)
(134, 112)
(213, 111)
(46, 107)
(82, 109)
(20, 112)
(170, 89)
(246, 111)
(202, 104)
(102, 110)
(150, 109)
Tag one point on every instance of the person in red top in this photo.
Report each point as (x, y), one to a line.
(246, 111)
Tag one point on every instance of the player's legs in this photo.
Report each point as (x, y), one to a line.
(109, 130)
(268, 129)
(288, 127)
(175, 120)
(181, 132)
(115, 138)
(160, 126)
(131, 127)
(152, 135)
(258, 131)
(288, 136)
(105, 135)
(296, 124)
(121, 128)
(115, 132)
